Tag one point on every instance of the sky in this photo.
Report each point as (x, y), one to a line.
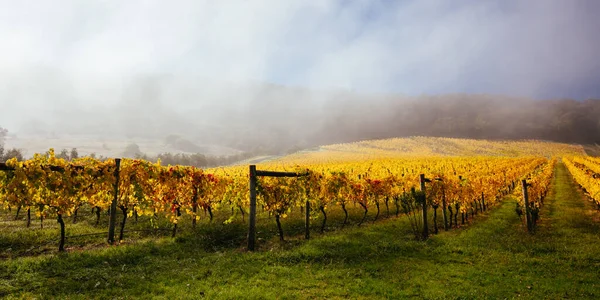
(80, 52)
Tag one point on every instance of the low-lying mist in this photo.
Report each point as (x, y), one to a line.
(273, 119)
(274, 76)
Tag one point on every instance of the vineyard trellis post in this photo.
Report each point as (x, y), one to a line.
(253, 181)
(307, 220)
(113, 205)
(252, 217)
(422, 181)
(527, 209)
(483, 206)
(444, 208)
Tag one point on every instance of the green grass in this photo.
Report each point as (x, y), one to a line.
(16, 240)
(494, 258)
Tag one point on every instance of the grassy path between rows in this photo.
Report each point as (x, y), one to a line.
(495, 258)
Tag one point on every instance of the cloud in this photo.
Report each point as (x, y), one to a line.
(88, 52)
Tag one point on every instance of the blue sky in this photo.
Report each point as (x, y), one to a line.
(534, 48)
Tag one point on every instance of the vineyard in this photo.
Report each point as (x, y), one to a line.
(371, 209)
(429, 147)
(450, 189)
(586, 172)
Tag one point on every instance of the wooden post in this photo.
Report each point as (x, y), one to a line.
(425, 225)
(435, 227)
(252, 217)
(527, 211)
(483, 206)
(113, 205)
(61, 244)
(307, 220)
(457, 208)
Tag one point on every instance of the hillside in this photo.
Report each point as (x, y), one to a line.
(427, 146)
(273, 119)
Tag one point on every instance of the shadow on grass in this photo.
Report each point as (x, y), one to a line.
(493, 258)
(372, 248)
(209, 235)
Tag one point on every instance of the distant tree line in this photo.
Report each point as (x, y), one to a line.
(196, 159)
(68, 155)
(133, 150)
(348, 119)
(470, 116)
(6, 154)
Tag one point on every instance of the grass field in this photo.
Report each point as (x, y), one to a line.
(494, 258)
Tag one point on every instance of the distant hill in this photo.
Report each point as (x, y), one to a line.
(429, 146)
(273, 119)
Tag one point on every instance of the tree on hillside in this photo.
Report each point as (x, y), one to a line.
(3, 133)
(132, 150)
(8, 154)
(64, 154)
(12, 153)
